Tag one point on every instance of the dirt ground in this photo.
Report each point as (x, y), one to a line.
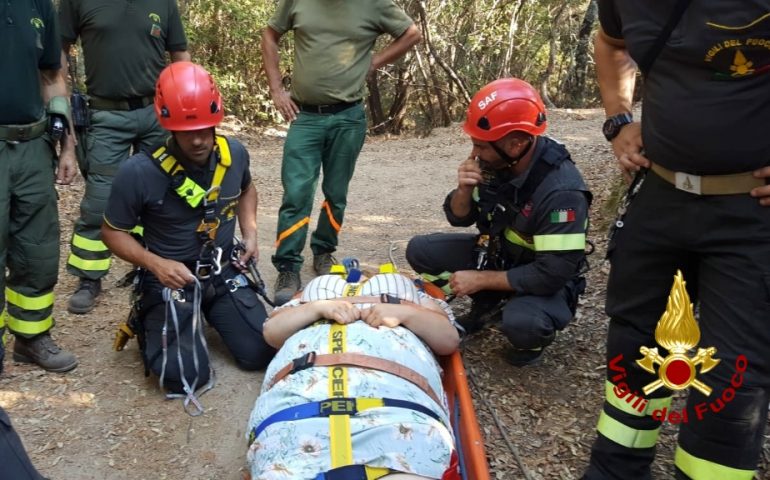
(105, 420)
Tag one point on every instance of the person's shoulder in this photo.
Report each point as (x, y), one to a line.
(239, 155)
(235, 145)
(141, 164)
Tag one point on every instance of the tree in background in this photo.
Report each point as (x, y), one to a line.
(467, 43)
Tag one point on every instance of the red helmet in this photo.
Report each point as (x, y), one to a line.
(186, 98)
(504, 106)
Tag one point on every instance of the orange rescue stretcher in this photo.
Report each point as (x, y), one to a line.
(470, 443)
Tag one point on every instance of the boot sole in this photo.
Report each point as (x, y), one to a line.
(80, 311)
(18, 357)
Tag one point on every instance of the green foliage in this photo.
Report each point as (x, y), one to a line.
(467, 44)
(224, 36)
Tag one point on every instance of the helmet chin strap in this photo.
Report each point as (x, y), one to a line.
(509, 160)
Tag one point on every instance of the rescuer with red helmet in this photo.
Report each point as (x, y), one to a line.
(530, 205)
(186, 194)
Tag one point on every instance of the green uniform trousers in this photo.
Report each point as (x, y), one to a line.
(112, 137)
(29, 235)
(331, 141)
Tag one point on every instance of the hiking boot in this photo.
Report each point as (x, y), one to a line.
(84, 298)
(322, 263)
(479, 315)
(287, 284)
(43, 351)
(521, 358)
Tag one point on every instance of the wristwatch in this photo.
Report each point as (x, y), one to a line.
(613, 124)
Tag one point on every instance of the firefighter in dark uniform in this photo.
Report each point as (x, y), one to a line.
(702, 153)
(34, 113)
(188, 194)
(530, 205)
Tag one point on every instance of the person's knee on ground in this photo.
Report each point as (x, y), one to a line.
(172, 377)
(416, 253)
(153, 319)
(529, 330)
(258, 360)
(238, 317)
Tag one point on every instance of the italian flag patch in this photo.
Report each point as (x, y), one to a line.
(563, 215)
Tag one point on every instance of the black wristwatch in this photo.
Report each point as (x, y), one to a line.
(613, 124)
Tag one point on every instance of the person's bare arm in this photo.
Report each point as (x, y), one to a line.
(170, 273)
(397, 48)
(271, 61)
(247, 219)
(468, 282)
(285, 322)
(180, 56)
(616, 72)
(53, 85)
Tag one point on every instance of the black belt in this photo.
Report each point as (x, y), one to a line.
(327, 109)
(126, 104)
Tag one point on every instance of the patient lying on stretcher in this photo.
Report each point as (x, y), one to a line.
(354, 391)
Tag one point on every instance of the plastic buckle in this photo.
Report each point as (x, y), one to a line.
(337, 406)
(301, 363)
(387, 298)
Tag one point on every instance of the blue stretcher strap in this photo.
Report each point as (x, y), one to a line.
(337, 406)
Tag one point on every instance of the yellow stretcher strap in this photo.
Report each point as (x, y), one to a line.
(340, 439)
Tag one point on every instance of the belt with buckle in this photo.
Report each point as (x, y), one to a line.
(23, 133)
(327, 109)
(732, 184)
(126, 104)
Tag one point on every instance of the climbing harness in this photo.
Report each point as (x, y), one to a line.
(191, 391)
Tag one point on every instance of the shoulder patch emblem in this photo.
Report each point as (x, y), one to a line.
(562, 215)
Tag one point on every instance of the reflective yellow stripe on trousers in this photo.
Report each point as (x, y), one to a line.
(624, 435)
(700, 469)
(24, 302)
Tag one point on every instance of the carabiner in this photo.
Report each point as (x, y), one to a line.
(216, 260)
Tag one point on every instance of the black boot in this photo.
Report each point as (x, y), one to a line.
(84, 298)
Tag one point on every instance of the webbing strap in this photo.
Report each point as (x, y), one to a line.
(354, 472)
(192, 193)
(170, 297)
(338, 407)
(340, 438)
(355, 360)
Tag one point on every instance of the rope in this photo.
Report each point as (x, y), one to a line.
(501, 428)
(197, 331)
